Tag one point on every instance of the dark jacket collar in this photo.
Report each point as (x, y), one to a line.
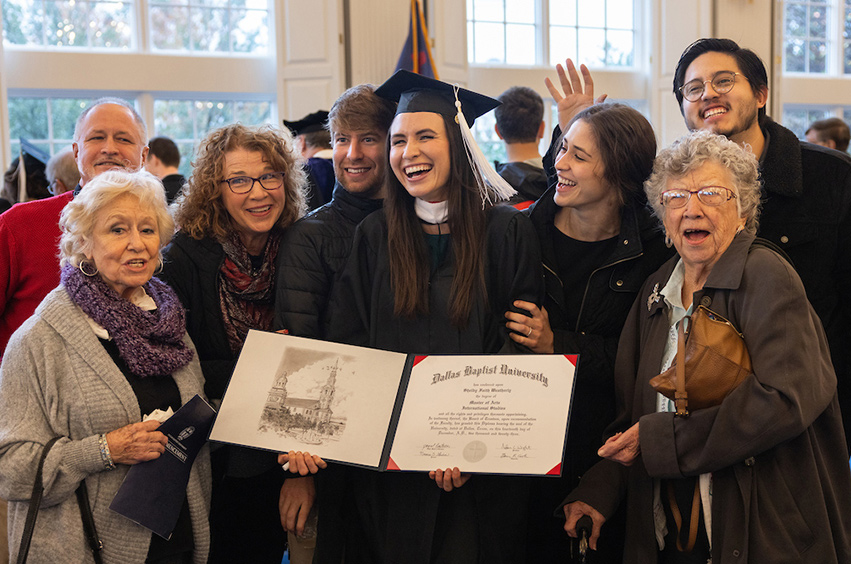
(636, 222)
(725, 275)
(727, 272)
(353, 206)
(781, 170)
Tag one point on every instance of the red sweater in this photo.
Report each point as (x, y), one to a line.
(29, 259)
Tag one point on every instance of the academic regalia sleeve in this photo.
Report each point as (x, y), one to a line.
(514, 267)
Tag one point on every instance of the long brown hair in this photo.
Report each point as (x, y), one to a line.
(409, 259)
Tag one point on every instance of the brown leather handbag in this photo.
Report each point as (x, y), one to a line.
(716, 361)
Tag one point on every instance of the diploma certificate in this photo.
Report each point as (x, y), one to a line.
(503, 414)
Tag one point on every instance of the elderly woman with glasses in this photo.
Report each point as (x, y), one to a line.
(103, 350)
(763, 476)
(246, 188)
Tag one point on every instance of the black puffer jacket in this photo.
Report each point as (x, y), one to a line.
(806, 211)
(312, 252)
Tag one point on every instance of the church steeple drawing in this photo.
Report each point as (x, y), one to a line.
(327, 394)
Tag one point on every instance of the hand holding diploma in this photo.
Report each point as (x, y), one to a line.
(448, 479)
(301, 463)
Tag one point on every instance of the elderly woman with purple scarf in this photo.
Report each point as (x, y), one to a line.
(246, 188)
(104, 349)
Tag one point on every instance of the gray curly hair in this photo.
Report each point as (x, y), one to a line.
(78, 217)
(690, 152)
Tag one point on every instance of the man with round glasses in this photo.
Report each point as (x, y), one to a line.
(806, 209)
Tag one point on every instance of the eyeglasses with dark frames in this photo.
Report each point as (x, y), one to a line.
(243, 184)
(709, 195)
(722, 83)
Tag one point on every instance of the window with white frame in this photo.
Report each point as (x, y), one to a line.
(816, 62)
(817, 36)
(186, 122)
(222, 26)
(199, 26)
(598, 33)
(46, 122)
(69, 23)
(798, 118)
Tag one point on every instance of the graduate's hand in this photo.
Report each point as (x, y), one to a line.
(574, 511)
(622, 447)
(449, 479)
(575, 97)
(533, 330)
(137, 442)
(296, 500)
(302, 463)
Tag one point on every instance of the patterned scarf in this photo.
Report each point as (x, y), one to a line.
(150, 342)
(246, 295)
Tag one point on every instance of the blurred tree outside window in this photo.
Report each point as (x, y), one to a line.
(199, 26)
(187, 122)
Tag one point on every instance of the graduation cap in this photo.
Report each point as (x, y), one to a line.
(308, 124)
(418, 93)
(31, 162)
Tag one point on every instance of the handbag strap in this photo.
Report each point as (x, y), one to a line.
(95, 544)
(35, 502)
(678, 520)
(681, 396)
(82, 493)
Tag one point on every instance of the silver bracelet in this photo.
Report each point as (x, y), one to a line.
(108, 464)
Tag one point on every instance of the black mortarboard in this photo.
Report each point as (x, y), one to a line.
(27, 148)
(308, 124)
(418, 93)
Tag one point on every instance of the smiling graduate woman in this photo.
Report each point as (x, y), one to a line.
(246, 188)
(434, 272)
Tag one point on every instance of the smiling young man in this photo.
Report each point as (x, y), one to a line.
(315, 248)
(806, 207)
(108, 135)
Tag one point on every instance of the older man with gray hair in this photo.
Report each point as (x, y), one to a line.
(109, 134)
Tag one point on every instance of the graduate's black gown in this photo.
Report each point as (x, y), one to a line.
(395, 517)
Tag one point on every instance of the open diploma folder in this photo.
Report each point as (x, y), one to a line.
(498, 414)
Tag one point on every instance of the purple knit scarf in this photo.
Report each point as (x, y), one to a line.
(150, 342)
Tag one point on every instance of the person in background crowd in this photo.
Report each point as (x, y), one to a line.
(163, 162)
(763, 476)
(62, 172)
(35, 181)
(599, 243)
(314, 250)
(245, 190)
(313, 143)
(451, 262)
(104, 349)
(108, 135)
(831, 132)
(520, 124)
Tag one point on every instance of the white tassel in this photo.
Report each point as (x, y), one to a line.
(492, 187)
